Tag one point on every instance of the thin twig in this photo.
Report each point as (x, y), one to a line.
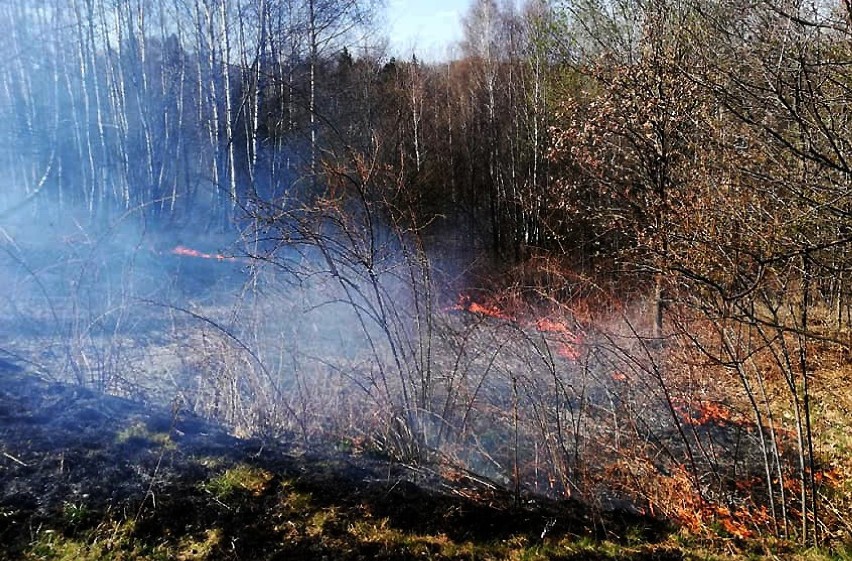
(14, 459)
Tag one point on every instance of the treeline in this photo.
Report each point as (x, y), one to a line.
(203, 108)
(569, 127)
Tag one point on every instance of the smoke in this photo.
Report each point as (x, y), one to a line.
(317, 322)
(326, 323)
(159, 244)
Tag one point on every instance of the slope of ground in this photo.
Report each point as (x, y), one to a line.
(86, 476)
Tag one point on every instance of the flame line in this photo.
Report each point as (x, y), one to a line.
(189, 252)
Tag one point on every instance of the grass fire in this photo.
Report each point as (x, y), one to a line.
(275, 287)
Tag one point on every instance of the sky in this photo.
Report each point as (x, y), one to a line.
(426, 27)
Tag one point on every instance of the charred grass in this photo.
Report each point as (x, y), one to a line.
(84, 476)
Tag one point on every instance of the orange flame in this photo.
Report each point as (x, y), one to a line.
(618, 376)
(708, 413)
(189, 252)
(466, 304)
(568, 348)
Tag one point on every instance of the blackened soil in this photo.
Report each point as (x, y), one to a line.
(71, 460)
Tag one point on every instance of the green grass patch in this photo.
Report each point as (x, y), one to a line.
(201, 548)
(109, 541)
(242, 478)
(138, 433)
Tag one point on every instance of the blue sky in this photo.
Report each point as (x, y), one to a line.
(427, 27)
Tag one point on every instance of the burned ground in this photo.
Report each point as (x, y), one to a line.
(106, 477)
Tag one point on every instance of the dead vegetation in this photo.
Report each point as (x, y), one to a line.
(87, 476)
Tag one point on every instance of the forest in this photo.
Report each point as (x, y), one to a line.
(603, 252)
